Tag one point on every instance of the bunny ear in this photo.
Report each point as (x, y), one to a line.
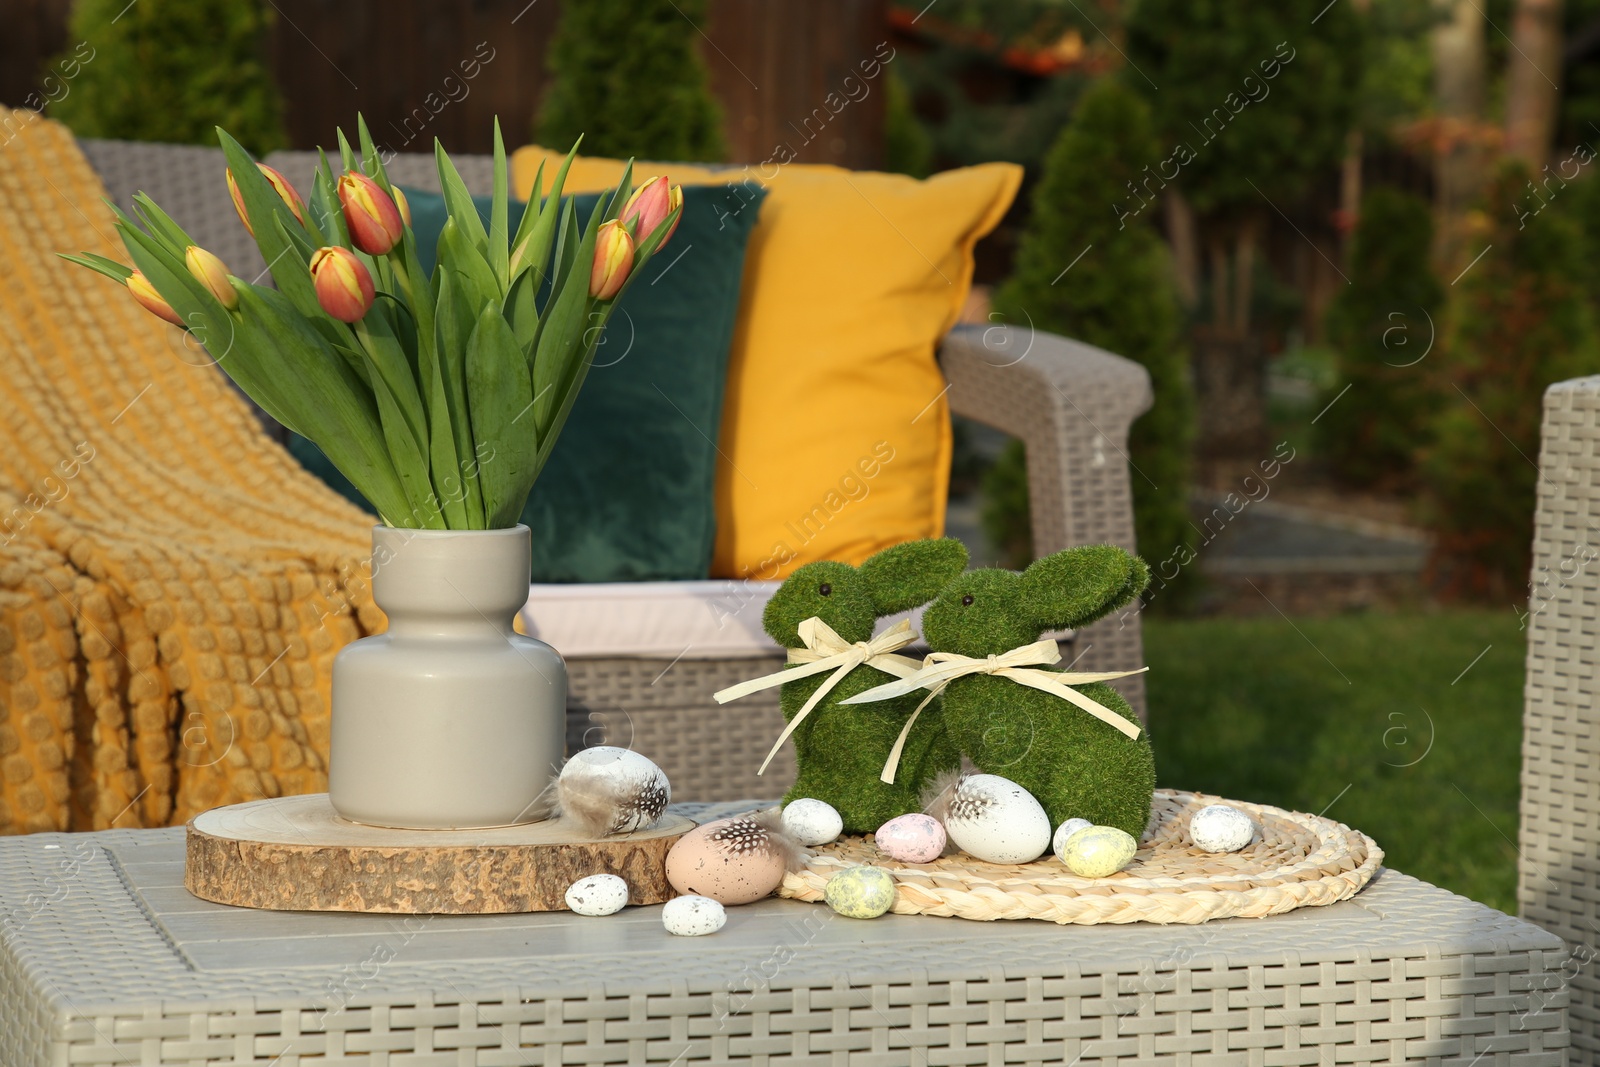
(910, 574)
(1075, 587)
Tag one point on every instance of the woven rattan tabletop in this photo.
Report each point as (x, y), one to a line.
(103, 949)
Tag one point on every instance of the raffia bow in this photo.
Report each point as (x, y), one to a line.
(941, 668)
(825, 651)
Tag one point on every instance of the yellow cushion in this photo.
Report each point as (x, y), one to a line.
(835, 437)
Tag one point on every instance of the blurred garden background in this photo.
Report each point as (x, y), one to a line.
(1348, 239)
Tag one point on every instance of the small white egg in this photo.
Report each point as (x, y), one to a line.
(996, 820)
(692, 916)
(1066, 830)
(1220, 828)
(598, 894)
(812, 822)
(613, 790)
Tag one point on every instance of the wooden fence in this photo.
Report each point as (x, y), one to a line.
(789, 73)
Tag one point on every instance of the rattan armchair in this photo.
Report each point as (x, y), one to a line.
(1070, 403)
(1558, 883)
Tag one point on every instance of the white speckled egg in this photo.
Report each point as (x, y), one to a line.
(860, 892)
(996, 820)
(692, 916)
(1098, 851)
(912, 838)
(598, 894)
(1220, 828)
(733, 861)
(812, 822)
(615, 790)
(1066, 830)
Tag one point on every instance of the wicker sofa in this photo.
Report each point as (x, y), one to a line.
(1072, 404)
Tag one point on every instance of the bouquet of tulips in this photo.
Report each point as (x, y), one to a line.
(440, 397)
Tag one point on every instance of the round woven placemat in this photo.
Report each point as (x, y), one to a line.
(1295, 861)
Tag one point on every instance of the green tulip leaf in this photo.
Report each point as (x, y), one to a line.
(458, 202)
(100, 264)
(264, 206)
(326, 210)
(457, 254)
(453, 331)
(498, 237)
(160, 225)
(499, 391)
(523, 313)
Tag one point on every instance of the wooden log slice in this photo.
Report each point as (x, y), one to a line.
(297, 854)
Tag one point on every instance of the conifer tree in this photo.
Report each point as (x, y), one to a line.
(173, 71)
(1252, 102)
(1382, 325)
(628, 76)
(1117, 295)
(1520, 320)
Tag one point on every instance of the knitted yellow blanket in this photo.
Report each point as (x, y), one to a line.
(173, 587)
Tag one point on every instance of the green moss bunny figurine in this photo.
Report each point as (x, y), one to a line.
(1075, 764)
(841, 751)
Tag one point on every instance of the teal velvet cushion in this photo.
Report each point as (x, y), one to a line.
(628, 492)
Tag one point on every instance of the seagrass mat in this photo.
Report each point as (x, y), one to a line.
(1295, 861)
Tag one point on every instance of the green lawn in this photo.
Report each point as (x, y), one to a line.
(1325, 714)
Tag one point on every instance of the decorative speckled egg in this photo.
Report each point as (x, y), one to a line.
(996, 820)
(812, 822)
(860, 892)
(733, 861)
(692, 916)
(613, 790)
(1220, 828)
(913, 838)
(1066, 830)
(1098, 851)
(598, 894)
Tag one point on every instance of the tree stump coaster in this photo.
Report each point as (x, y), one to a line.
(297, 854)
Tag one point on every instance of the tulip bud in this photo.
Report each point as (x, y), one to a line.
(140, 289)
(280, 183)
(613, 260)
(376, 225)
(649, 206)
(403, 204)
(343, 283)
(212, 273)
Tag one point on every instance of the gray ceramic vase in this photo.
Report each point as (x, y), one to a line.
(450, 719)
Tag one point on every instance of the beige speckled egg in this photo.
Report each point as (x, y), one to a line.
(732, 861)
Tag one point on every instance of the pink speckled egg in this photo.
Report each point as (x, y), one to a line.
(913, 838)
(732, 861)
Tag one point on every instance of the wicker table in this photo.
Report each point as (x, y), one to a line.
(105, 959)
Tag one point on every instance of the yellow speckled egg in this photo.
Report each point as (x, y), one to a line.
(860, 892)
(1098, 851)
(732, 861)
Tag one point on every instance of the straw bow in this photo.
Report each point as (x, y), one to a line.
(941, 668)
(824, 651)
